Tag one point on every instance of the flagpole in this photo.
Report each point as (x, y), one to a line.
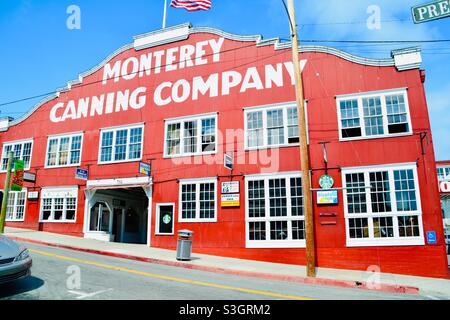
(165, 15)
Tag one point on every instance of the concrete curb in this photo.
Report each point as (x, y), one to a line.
(268, 276)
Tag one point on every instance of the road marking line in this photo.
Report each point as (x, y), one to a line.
(157, 276)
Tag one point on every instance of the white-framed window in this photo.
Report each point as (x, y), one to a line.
(443, 173)
(271, 126)
(59, 204)
(22, 151)
(198, 200)
(121, 144)
(274, 211)
(196, 135)
(382, 206)
(17, 202)
(64, 150)
(374, 115)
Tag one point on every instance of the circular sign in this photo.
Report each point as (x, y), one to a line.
(167, 219)
(326, 182)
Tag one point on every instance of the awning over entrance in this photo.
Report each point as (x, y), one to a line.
(119, 183)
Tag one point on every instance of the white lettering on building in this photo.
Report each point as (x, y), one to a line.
(176, 91)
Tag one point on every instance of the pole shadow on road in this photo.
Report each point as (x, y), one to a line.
(23, 286)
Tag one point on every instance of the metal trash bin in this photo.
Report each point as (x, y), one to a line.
(184, 245)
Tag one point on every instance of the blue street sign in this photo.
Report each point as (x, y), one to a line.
(431, 237)
(145, 168)
(81, 174)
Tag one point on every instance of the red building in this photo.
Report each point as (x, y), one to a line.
(182, 98)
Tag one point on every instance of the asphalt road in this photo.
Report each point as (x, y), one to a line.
(59, 274)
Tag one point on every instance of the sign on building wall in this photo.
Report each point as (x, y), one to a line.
(327, 197)
(326, 182)
(230, 187)
(444, 187)
(29, 177)
(145, 168)
(231, 200)
(82, 174)
(431, 11)
(33, 195)
(17, 181)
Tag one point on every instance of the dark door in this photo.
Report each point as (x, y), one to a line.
(117, 224)
(166, 220)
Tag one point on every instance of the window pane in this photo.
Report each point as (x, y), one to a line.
(190, 137)
(358, 228)
(255, 129)
(408, 226)
(71, 208)
(26, 154)
(59, 208)
(256, 199)
(277, 196)
(383, 227)
(278, 230)
(379, 192)
(188, 201)
(121, 145)
(209, 135)
(257, 231)
(6, 151)
(356, 193)
(173, 139)
(298, 230)
(64, 151)
(275, 127)
(397, 116)
(46, 209)
(293, 132)
(20, 205)
(135, 144)
(405, 192)
(207, 201)
(373, 116)
(296, 197)
(52, 152)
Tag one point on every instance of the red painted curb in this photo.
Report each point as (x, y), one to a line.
(268, 276)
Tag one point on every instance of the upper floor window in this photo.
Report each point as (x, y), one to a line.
(271, 127)
(382, 206)
(21, 150)
(121, 144)
(64, 150)
(198, 200)
(374, 114)
(15, 210)
(191, 136)
(443, 173)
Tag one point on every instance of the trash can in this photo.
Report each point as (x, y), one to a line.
(184, 245)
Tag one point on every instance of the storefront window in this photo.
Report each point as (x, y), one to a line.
(275, 212)
(382, 205)
(59, 205)
(16, 206)
(198, 201)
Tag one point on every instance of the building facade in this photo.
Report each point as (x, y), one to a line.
(188, 101)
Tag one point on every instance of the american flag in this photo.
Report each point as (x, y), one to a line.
(192, 5)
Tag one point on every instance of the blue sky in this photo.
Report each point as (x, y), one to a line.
(39, 53)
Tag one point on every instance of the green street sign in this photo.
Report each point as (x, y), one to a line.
(431, 11)
(17, 182)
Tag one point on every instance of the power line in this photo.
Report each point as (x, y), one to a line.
(351, 22)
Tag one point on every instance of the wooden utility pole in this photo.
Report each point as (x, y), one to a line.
(304, 155)
(6, 192)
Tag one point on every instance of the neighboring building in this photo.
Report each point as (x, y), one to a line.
(443, 170)
(182, 98)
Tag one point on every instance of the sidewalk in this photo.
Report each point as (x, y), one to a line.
(273, 271)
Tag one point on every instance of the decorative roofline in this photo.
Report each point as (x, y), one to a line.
(183, 31)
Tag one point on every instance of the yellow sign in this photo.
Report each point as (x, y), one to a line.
(231, 200)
